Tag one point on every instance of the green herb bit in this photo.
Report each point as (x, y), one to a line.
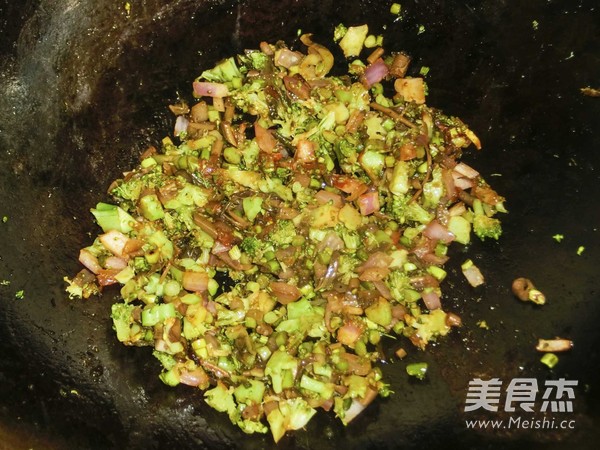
(20, 295)
(549, 359)
(558, 237)
(417, 370)
(4, 219)
(396, 8)
(483, 324)
(537, 297)
(580, 250)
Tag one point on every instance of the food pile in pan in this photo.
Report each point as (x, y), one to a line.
(295, 219)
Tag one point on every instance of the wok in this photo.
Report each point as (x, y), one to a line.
(85, 88)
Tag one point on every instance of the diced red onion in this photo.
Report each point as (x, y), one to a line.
(422, 282)
(106, 277)
(133, 246)
(368, 203)
(323, 197)
(432, 258)
(461, 182)
(473, 275)
(265, 140)
(114, 241)
(466, 170)
(399, 311)
(331, 241)
(195, 281)
(374, 274)
(220, 247)
(353, 411)
(349, 185)
(89, 261)
(375, 73)
(436, 231)
(196, 377)
(181, 125)
(211, 307)
(431, 299)
(114, 262)
(358, 405)
(208, 89)
(349, 333)
(383, 289)
(377, 259)
(287, 58)
(285, 292)
(457, 210)
(305, 151)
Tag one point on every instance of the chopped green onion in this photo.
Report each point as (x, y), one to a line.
(549, 359)
(417, 370)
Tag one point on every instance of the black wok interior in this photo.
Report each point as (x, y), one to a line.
(84, 89)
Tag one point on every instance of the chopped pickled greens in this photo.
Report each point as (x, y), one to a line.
(295, 220)
(549, 359)
(417, 370)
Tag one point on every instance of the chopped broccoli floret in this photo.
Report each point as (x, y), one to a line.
(252, 207)
(487, 227)
(483, 225)
(167, 361)
(251, 245)
(221, 398)
(129, 190)
(128, 330)
(398, 282)
(402, 210)
(339, 32)
(434, 189)
(254, 59)
(283, 233)
(292, 414)
(431, 325)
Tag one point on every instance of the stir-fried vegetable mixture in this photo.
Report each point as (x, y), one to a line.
(328, 202)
